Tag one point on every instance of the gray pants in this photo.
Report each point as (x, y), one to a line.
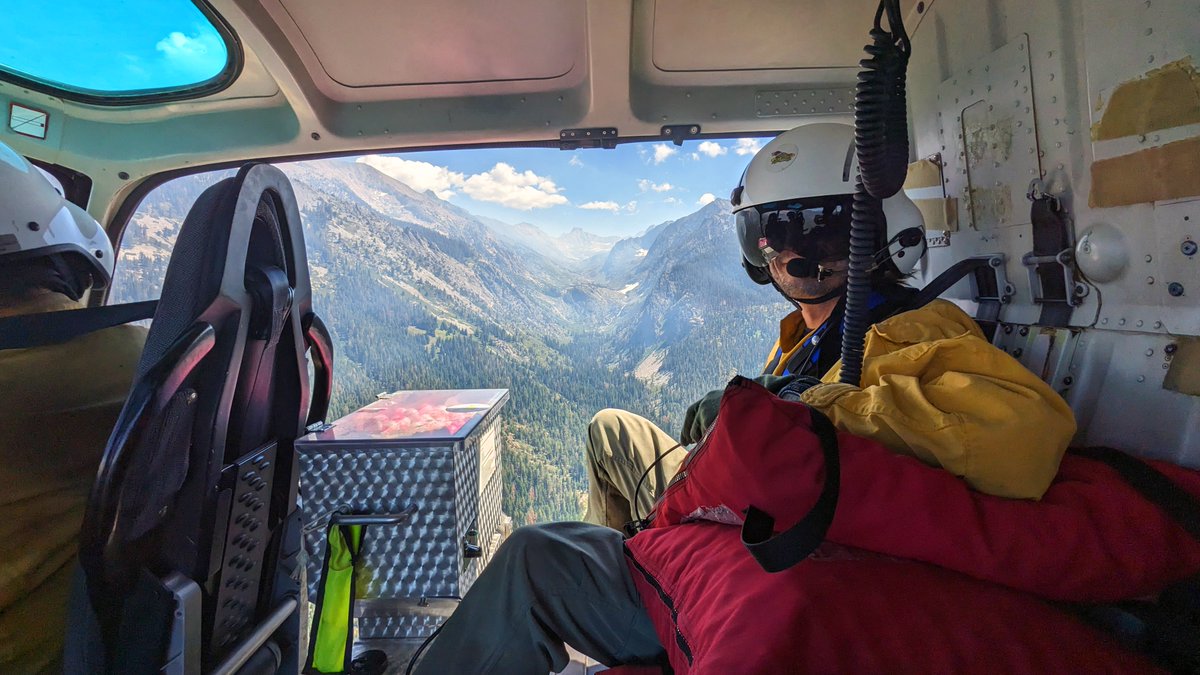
(548, 585)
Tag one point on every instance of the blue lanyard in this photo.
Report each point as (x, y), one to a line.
(814, 338)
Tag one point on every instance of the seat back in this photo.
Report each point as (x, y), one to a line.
(189, 544)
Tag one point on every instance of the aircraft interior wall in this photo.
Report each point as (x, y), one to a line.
(1097, 99)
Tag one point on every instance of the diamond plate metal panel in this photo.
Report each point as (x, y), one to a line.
(423, 557)
(392, 619)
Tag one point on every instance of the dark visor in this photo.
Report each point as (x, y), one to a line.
(817, 229)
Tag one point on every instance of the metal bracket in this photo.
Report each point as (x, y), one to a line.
(471, 547)
(1053, 244)
(344, 515)
(341, 518)
(183, 646)
(993, 292)
(1064, 259)
(1004, 291)
(594, 137)
(678, 133)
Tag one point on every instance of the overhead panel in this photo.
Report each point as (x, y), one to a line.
(706, 35)
(838, 100)
(373, 43)
(708, 62)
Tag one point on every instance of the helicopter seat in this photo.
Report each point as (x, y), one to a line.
(190, 539)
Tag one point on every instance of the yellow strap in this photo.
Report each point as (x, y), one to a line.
(331, 634)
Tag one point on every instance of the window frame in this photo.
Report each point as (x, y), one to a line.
(235, 60)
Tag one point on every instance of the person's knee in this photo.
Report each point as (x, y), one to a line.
(601, 432)
(544, 557)
(523, 541)
(609, 418)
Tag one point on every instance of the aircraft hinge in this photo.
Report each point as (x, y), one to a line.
(594, 137)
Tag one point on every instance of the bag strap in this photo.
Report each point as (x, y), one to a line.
(777, 553)
(332, 638)
(38, 330)
(1151, 484)
(1165, 629)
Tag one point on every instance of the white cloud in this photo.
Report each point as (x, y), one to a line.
(747, 146)
(575, 161)
(662, 151)
(671, 200)
(522, 190)
(202, 53)
(601, 206)
(631, 206)
(504, 185)
(420, 176)
(645, 184)
(712, 149)
(696, 155)
(706, 198)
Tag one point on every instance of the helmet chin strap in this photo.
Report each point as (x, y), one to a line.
(822, 298)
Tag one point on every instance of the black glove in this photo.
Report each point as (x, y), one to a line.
(792, 390)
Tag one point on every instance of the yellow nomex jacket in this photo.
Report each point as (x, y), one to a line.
(934, 388)
(59, 404)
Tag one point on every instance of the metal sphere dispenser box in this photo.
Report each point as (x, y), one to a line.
(435, 454)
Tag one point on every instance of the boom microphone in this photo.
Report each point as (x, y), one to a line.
(802, 268)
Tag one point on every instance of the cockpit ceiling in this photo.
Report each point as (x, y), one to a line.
(381, 43)
(385, 44)
(389, 46)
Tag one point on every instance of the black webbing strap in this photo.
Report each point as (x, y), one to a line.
(38, 330)
(953, 274)
(1167, 628)
(1151, 484)
(1051, 236)
(777, 553)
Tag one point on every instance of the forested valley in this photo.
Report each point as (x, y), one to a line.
(421, 294)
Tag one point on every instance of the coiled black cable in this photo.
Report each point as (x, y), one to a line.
(880, 113)
(881, 143)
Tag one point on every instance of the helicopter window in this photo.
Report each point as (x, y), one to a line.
(117, 52)
(577, 280)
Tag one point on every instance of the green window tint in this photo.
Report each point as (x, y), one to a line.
(119, 49)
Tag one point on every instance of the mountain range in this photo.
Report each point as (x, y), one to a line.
(421, 294)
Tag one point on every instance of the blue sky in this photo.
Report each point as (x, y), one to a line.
(621, 191)
(111, 45)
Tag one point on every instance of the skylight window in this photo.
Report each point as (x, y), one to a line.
(118, 51)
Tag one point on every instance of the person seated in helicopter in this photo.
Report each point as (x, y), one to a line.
(793, 215)
(932, 387)
(60, 402)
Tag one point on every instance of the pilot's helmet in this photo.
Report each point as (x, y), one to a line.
(797, 194)
(37, 221)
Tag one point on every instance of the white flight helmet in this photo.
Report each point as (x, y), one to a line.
(807, 175)
(37, 220)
